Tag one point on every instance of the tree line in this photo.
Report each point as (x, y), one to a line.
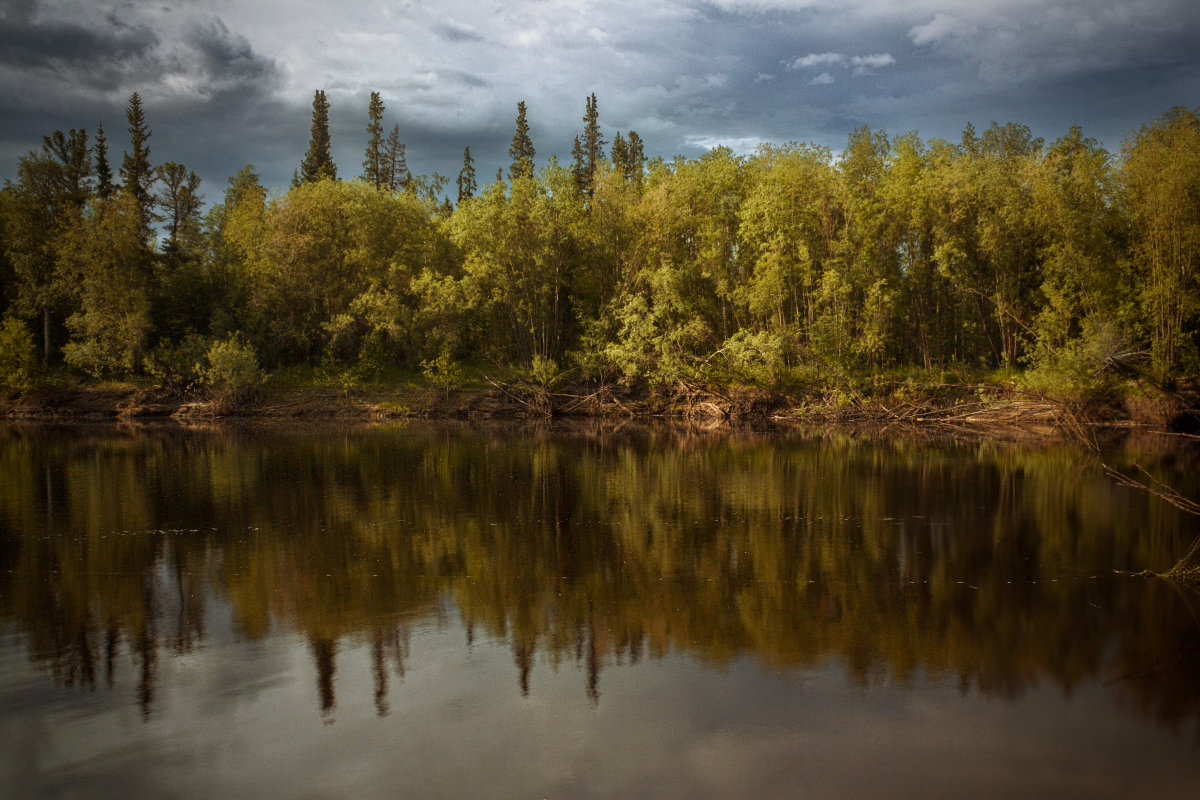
(995, 251)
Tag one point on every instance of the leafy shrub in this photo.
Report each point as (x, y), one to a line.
(756, 357)
(18, 357)
(443, 372)
(181, 366)
(233, 375)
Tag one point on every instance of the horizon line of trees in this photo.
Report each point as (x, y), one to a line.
(994, 251)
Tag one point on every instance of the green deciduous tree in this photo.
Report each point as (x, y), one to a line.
(104, 258)
(336, 272)
(1161, 175)
(46, 202)
(521, 251)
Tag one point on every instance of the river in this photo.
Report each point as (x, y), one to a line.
(505, 611)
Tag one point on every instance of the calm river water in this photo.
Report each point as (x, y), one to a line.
(499, 612)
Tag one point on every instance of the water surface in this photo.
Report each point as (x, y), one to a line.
(500, 612)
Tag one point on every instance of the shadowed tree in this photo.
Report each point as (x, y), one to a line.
(373, 163)
(318, 161)
(466, 177)
(48, 199)
(179, 200)
(104, 173)
(619, 154)
(137, 176)
(394, 166)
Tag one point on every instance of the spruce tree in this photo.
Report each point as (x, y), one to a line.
(588, 150)
(373, 167)
(104, 173)
(521, 150)
(318, 161)
(137, 176)
(394, 167)
(619, 155)
(466, 177)
(637, 158)
(578, 168)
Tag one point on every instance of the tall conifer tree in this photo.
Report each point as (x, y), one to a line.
(373, 167)
(318, 161)
(619, 155)
(466, 177)
(589, 149)
(137, 176)
(637, 158)
(104, 173)
(393, 164)
(521, 150)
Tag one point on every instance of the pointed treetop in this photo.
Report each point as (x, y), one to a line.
(395, 176)
(373, 162)
(521, 151)
(466, 177)
(137, 176)
(318, 161)
(104, 173)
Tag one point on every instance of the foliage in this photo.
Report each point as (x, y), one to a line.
(18, 356)
(108, 265)
(993, 251)
(232, 375)
(179, 366)
(318, 161)
(443, 371)
(521, 151)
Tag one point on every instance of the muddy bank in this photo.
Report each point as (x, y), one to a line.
(969, 407)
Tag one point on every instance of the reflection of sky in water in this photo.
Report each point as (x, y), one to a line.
(241, 719)
(512, 616)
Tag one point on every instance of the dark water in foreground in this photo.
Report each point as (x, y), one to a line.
(431, 612)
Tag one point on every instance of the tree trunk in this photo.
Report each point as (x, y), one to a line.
(46, 336)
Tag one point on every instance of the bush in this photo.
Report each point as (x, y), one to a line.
(443, 372)
(178, 367)
(18, 357)
(233, 374)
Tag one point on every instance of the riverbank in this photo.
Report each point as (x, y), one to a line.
(309, 397)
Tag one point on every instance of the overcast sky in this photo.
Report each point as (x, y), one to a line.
(230, 82)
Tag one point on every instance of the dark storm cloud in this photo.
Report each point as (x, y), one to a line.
(226, 82)
(227, 58)
(67, 46)
(210, 99)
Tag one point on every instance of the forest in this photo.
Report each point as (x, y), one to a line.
(1061, 266)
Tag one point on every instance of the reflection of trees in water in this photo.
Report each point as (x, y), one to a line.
(890, 557)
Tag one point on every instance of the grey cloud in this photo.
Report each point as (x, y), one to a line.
(18, 10)
(942, 26)
(60, 45)
(456, 32)
(683, 75)
(227, 56)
